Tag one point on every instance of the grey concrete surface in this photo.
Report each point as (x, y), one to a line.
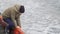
(40, 17)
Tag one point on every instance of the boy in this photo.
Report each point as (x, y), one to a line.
(12, 16)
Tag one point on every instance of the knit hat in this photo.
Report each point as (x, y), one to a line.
(22, 9)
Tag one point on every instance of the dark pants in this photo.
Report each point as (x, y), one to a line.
(10, 26)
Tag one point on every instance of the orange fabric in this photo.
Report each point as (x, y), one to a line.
(0, 16)
(1, 19)
(18, 31)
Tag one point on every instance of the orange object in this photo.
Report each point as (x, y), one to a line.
(0, 16)
(18, 31)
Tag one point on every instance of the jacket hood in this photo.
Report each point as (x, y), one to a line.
(16, 8)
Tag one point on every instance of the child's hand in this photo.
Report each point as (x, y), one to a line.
(17, 27)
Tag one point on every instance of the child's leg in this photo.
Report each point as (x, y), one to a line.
(11, 25)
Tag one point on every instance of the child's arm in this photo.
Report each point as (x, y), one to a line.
(13, 18)
(18, 21)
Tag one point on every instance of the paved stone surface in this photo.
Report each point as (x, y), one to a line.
(40, 17)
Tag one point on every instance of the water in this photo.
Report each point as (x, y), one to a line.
(40, 15)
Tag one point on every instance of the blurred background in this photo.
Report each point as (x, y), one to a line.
(40, 17)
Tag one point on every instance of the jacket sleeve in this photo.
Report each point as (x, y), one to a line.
(18, 21)
(13, 18)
